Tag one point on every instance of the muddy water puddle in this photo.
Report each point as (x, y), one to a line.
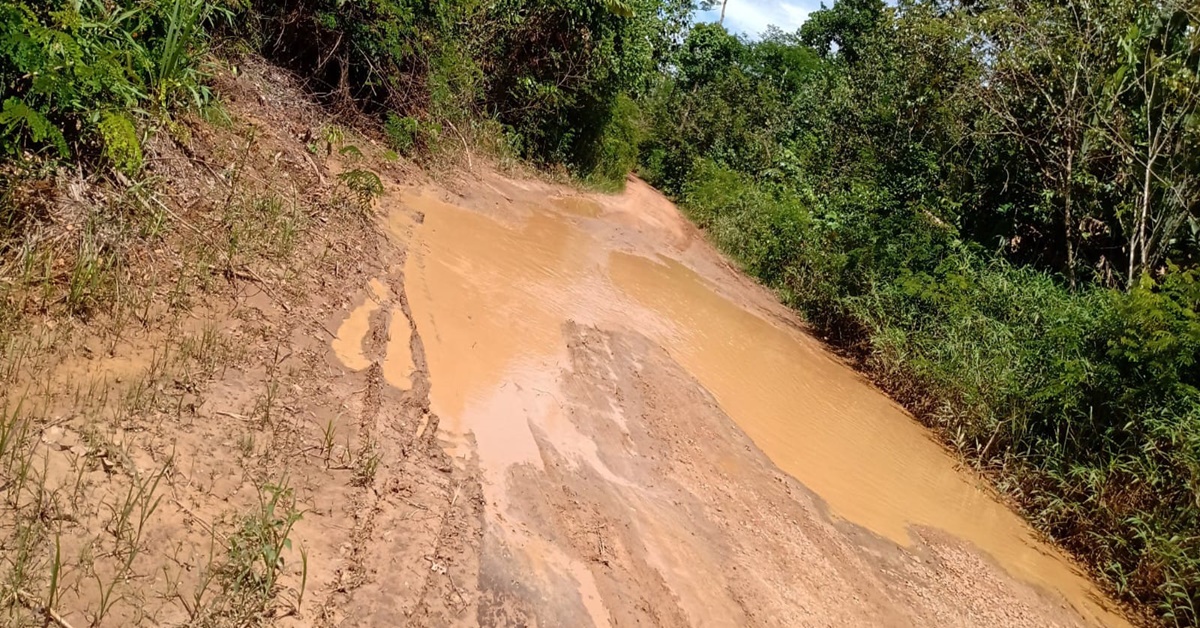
(490, 301)
(397, 365)
(822, 424)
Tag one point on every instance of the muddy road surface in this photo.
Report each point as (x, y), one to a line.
(600, 422)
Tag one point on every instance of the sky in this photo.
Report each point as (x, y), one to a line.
(753, 16)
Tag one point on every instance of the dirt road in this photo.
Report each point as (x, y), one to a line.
(587, 417)
(486, 400)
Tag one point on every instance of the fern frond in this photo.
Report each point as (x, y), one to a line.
(18, 119)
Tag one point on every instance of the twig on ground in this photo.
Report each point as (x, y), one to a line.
(197, 519)
(34, 604)
(317, 170)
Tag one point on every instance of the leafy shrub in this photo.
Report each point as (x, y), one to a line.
(401, 133)
(562, 75)
(615, 153)
(364, 185)
(82, 69)
(760, 226)
(405, 56)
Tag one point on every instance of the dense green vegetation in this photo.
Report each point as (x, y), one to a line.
(992, 203)
(75, 77)
(995, 205)
(553, 81)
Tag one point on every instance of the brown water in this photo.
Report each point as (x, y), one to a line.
(348, 343)
(397, 363)
(490, 300)
(578, 205)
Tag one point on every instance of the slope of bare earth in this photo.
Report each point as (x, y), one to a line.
(484, 401)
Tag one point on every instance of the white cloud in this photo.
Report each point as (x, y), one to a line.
(753, 16)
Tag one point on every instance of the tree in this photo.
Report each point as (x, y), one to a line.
(1044, 88)
(708, 52)
(1154, 95)
(844, 29)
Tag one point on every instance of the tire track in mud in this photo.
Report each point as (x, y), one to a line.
(417, 518)
(458, 536)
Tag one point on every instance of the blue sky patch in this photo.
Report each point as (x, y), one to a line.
(753, 16)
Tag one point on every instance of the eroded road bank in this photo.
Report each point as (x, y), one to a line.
(640, 435)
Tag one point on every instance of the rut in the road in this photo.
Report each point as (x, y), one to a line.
(416, 517)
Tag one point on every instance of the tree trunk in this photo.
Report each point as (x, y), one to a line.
(1133, 240)
(1144, 215)
(1069, 218)
(1153, 143)
(722, 20)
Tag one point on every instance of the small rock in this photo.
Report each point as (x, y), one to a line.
(53, 435)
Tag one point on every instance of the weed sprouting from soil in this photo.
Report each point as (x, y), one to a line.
(363, 185)
(256, 552)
